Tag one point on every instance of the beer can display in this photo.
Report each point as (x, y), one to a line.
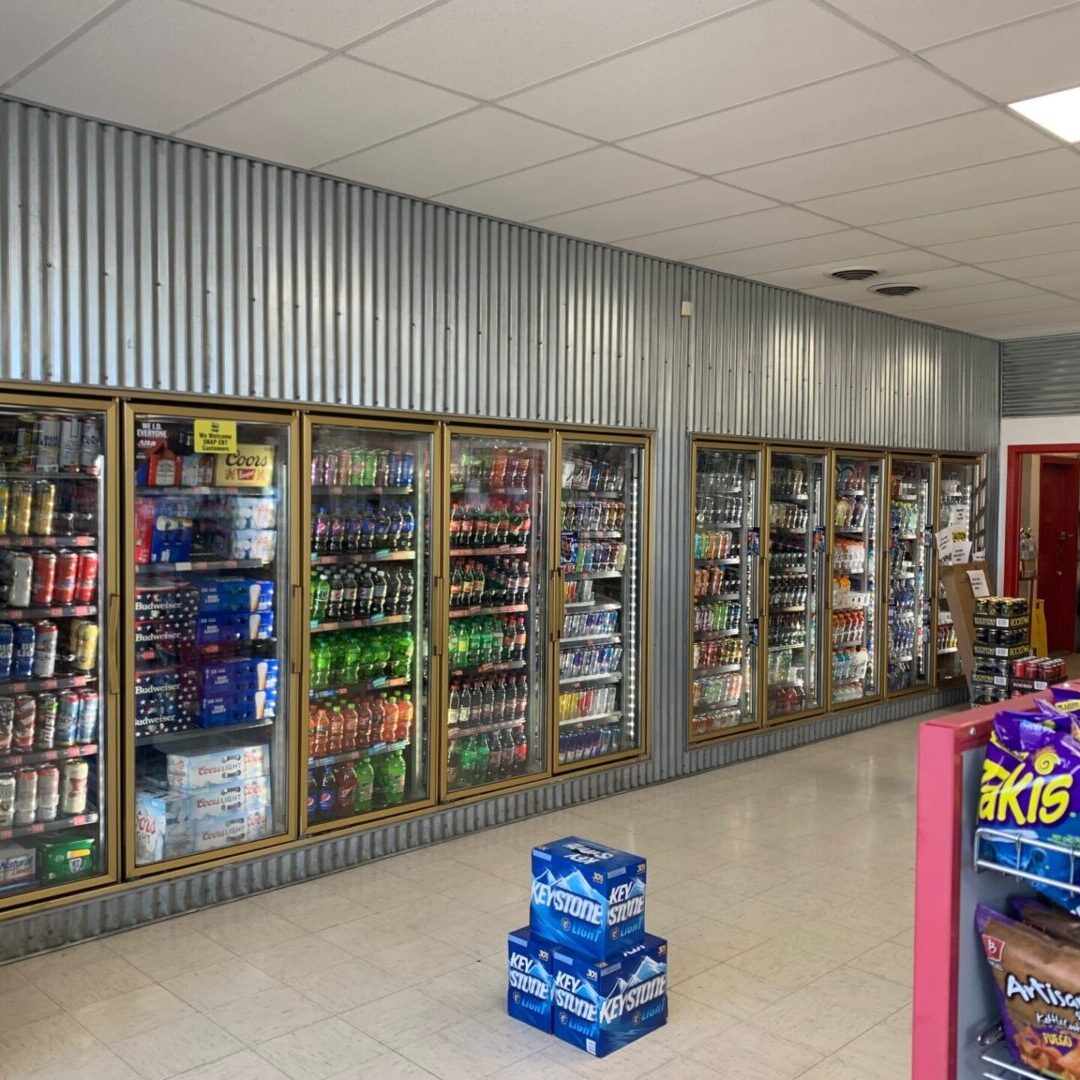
(22, 580)
(45, 725)
(7, 724)
(67, 571)
(43, 507)
(43, 579)
(47, 636)
(86, 645)
(25, 722)
(86, 577)
(90, 447)
(47, 444)
(48, 793)
(67, 718)
(25, 426)
(7, 798)
(76, 782)
(88, 717)
(70, 443)
(5, 499)
(26, 781)
(22, 504)
(7, 648)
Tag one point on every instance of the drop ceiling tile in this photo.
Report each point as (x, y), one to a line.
(1013, 245)
(668, 208)
(1065, 283)
(893, 265)
(1025, 59)
(1043, 330)
(32, 27)
(1035, 266)
(935, 282)
(1016, 215)
(473, 146)
(854, 106)
(996, 181)
(1001, 309)
(557, 186)
(1032, 320)
(489, 48)
(707, 68)
(333, 23)
(159, 65)
(927, 301)
(314, 117)
(916, 24)
(731, 234)
(842, 246)
(884, 159)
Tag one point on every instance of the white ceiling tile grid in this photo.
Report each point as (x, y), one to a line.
(775, 139)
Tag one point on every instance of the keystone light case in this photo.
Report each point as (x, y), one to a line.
(602, 1006)
(587, 897)
(529, 967)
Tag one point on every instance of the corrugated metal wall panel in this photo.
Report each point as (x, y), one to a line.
(131, 261)
(1041, 376)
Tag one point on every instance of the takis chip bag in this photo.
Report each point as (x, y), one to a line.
(1030, 791)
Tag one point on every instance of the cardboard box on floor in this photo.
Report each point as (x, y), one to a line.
(960, 582)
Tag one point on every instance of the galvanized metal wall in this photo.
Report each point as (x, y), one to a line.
(131, 261)
(1041, 376)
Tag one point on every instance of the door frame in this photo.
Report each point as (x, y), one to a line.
(1072, 463)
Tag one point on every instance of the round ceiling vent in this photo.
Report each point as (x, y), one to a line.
(853, 273)
(894, 288)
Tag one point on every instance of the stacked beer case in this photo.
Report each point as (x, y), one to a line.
(584, 968)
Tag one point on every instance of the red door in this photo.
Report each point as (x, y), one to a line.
(1059, 505)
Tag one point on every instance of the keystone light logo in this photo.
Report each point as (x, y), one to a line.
(574, 897)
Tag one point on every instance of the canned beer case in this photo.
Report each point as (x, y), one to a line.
(530, 979)
(192, 771)
(587, 897)
(601, 1006)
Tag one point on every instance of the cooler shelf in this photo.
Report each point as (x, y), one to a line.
(498, 609)
(499, 549)
(382, 555)
(592, 639)
(380, 682)
(200, 732)
(201, 565)
(49, 541)
(592, 605)
(375, 750)
(70, 611)
(596, 718)
(62, 682)
(359, 489)
(35, 757)
(481, 669)
(599, 677)
(12, 832)
(359, 624)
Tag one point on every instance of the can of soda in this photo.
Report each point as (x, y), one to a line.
(25, 796)
(24, 723)
(5, 498)
(67, 574)
(22, 657)
(48, 792)
(86, 577)
(22, 502)
(90, 447)
(67, 719)
(45, 649)
(86, 645)
(7, 649)
(24, 442)
(45, 727)
(7, 798)
(76, 779)
(70, 443)
(41, 520)
(7, 724)
(88, 717)
(47, 444)
(44, 578)
(22, 576)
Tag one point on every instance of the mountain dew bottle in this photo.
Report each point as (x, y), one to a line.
(365, 779)
(394, 781)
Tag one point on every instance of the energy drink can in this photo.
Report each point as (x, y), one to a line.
(7, 798)
(25, 796)
(45, 729)
(67, 719)
(47, 444)
(22, 576)
(90, 448)
(44, 578)
(70, 443)
(76, 779)
(7, 724)
(22, 737)
(86, 577)
(7, 649)
(48, 792)
(88, 717)
(24, 442)
(22, 502)
(22, 658)
(44, 504)
(86, 645)
(5, 499)
(45, 649)
(67, 572)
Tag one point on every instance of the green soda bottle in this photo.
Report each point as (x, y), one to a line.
(351, 659)
(480, 761)
(402, 654)
(382, 654)
(467, 761)
(394, 784)
(321, 662)
(365, 781)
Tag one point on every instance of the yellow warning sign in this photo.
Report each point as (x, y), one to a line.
(215, 436)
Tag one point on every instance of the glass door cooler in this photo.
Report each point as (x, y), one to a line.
(854, 559)
(796, 583)
(908, 594)
(367, 611)
(725, 585)
(211, 573)
(958, 538)
(601, 585)
(58, 618)
(496, 576)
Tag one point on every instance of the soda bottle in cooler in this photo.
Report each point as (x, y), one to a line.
(453, 763)
(364, 776)
(345, 796)
(320, 664)
(327, 793)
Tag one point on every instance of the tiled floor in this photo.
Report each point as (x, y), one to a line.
(784, 886)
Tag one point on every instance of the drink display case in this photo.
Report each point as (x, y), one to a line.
(368, 606)
(57, 591)
(958, 539)
(601, 578)
(210, 577)
(854, 555)
(909, 587)
(796, 583)
(497, 574)
(725, 588)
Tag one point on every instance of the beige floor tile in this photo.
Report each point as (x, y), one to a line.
(703, 900)
(747, 1053)
(297, 957)
(888, 1048)
(173, 1048)
(906, 937)
(835, 1068)
(464, 1051)
(782, 963)
(211, 987)
(487, 892)
(733, 992)
(244, 926)
(757, 915)
(246, 1065)
(537, 1066)
(24, 1005)
(689, 1022)
(402, 1018)
(861, 991)
(346, 986)
(684, 964)
(419, 959)
(314, 911)
(825, 939)
(63, 960)
(900, 1020)
(888, 960)
(263, 1016)
(682, 1068)
(637, 1059)
(804, 1017)
(389, 1066)
(368, 934)
(43, 1045)
(714, 939)
(480, 987)
(187, 952)
(132, 1013)
(320, 1050)
(98, 1063)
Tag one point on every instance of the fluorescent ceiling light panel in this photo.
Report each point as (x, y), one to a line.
(1058, 113)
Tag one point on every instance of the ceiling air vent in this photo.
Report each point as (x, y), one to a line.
(853, 273)
(895, 288)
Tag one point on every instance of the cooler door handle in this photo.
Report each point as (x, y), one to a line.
(114, 644)
(440, 620)
(297, 614)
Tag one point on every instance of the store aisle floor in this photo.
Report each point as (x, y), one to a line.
(784, 886)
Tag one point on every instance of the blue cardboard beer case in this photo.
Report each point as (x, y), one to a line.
(587, 897)
(600, 1006)
(528, 996)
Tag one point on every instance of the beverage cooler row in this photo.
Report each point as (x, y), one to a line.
(454, 610)
(813, 579)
